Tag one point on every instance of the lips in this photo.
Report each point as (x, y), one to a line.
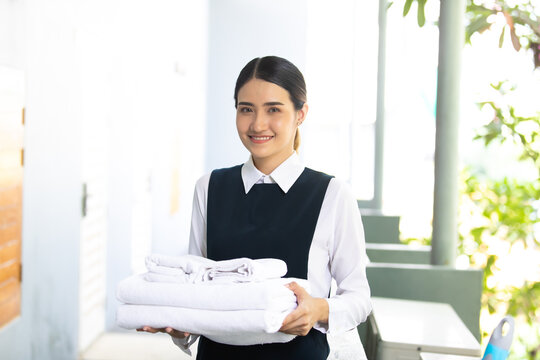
(260, 139)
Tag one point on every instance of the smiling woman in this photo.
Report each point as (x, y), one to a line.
(274, 207)
(280, 90)
(267, 123)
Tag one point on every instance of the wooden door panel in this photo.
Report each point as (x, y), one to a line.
(9, 270)
(11, 141)
(10, 251)
(10, 177)
(10, 196)
(11, 307)
(10, 233)
(10, 215)
(10, 158)
(11, 187)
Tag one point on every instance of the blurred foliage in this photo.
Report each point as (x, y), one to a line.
(507, 125)
(498, 216)
(504, 212)
(420, 14)
(521, 21)
(520, 16)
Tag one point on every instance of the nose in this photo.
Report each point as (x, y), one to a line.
(259, 122)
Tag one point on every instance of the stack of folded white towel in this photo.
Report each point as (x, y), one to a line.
(237, 302)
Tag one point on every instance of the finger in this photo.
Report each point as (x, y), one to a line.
(173, 332)
(150, 329)
(300, 326)
(290, 319)
(291, 323)
(176, 333)
(293, 285)
(293, 316)
(293, 320)
(299, 291)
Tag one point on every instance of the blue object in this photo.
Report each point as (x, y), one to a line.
(498, 347)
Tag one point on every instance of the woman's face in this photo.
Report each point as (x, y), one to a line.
(266, 121)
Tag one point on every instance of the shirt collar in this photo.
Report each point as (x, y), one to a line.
(285, 175)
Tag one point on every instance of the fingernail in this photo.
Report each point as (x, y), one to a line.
(168, 329)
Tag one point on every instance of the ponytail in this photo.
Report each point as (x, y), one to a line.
(296, 144)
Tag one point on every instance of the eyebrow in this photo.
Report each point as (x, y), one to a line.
(271, 103)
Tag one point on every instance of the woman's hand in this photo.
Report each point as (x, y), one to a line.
(168, 330)
(309, 311)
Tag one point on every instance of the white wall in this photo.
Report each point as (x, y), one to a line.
(240, 30)
(121, 83)
(157, 133)
(47, 327)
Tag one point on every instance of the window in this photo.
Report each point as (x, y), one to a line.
(341, 78)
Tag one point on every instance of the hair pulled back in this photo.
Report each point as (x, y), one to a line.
(278, 71)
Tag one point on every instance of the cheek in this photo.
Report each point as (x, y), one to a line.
(282, 123)
(286, 125)
(241, 124)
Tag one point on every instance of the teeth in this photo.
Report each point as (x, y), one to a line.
(261, 137)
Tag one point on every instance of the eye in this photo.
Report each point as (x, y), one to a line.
(245, 109)
(273, 110)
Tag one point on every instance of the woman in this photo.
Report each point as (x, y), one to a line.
(272, 206)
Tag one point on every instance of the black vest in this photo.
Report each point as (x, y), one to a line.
(264, 223)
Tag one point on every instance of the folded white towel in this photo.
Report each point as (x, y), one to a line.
(177, 265)
(242, 327)
(266, 295)
(195, 269)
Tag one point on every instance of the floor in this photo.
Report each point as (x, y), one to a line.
(144, 346)
(133, 346)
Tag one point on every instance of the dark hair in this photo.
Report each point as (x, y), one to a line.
(278, 71)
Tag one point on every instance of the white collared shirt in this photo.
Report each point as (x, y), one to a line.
(337, 249)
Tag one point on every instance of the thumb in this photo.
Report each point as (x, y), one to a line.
(299, 291)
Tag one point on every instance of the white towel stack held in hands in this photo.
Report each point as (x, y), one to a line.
(196, 269)
(237, 302)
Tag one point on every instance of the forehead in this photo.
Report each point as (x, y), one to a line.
(260, 91)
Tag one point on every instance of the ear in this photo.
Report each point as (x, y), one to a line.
(301, 114)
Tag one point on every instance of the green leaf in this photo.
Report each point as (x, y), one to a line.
(407, 7)
(479, 24)
(501, 38)
(477, 234)
(421, 12)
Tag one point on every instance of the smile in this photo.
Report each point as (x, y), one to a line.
(260, 139)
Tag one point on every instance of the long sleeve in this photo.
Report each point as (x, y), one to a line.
(197, 236)
(197, 242)
(340, 233)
